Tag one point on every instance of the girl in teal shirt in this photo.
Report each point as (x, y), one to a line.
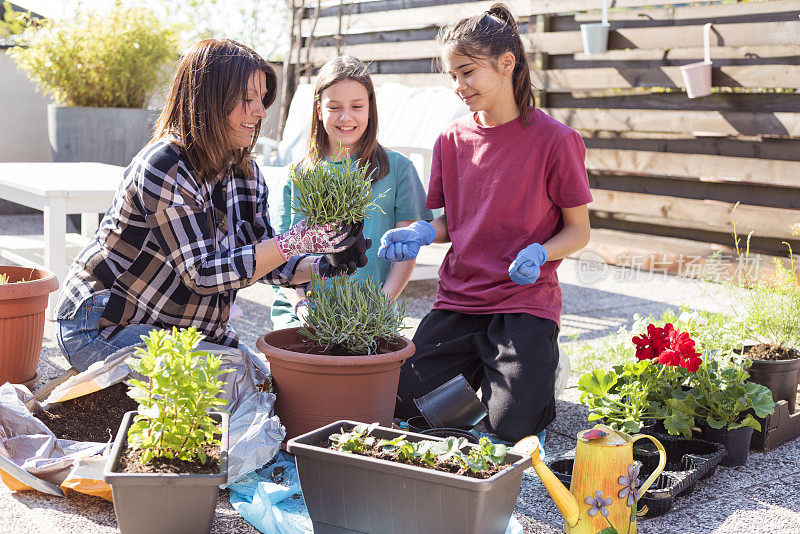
(345, 122)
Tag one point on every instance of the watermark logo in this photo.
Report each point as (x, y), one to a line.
(591, 267)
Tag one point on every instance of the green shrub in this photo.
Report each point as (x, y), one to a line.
(352, 316)
(182, 386)
(115, 59)
(330, 193)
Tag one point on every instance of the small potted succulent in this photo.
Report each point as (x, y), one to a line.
(345, 363)
(169, 458)
(336, 194)
(437, 485)
(23, 300)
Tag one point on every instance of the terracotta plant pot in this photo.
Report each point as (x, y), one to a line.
(22, 307)
(315, 388)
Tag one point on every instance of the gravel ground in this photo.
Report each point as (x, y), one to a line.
(760, 497)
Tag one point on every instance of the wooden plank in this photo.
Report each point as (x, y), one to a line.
(732, 35)
(676, 100)
(727, 168)
(691, 213)
(695, 122)
(568, 80)
(694, 53)
(709, 12)
(658, 255)
(374, 16)
(745, 147)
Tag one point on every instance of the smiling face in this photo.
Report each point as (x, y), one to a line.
(483, 84)
(245, 117)
(343, 109)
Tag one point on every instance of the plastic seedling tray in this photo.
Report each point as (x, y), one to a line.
(688, 460)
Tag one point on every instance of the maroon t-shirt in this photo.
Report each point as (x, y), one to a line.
(502, 189)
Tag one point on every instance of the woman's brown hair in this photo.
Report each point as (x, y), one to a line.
(210, 81)
(490, 35)
(367, 148)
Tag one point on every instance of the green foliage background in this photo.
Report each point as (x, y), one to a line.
(111, 59)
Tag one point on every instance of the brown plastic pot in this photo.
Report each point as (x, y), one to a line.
(315, 389)
(22, 307)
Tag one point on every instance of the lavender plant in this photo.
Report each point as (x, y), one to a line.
(351, 315)
(330, 193)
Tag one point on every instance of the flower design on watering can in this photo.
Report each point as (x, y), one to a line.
(598, 504)
(629, 484)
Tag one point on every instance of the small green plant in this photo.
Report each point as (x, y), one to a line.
(330, 193)
(114, 59)
(182, 385)
(451, 452)
(723, 397)
(352, 316)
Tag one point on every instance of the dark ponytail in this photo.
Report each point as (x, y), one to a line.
(492, 34)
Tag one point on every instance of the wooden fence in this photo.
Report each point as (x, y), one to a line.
(666, 171)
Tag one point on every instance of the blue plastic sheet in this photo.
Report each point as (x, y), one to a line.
(270, 499)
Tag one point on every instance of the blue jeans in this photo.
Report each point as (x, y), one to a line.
(80, 340)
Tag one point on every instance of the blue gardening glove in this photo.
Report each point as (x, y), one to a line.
(402, 244)
(526, 268)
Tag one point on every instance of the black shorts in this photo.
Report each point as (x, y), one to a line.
(511, 357)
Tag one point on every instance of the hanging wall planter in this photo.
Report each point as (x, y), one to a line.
(22, 307)
(697, 76)
(595, 34)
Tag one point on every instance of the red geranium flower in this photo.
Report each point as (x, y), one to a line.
(671, 347)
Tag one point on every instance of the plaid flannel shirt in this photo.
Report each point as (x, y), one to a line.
(166, 249)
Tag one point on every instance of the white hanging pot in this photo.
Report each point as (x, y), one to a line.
(595, 34)
(697, 76)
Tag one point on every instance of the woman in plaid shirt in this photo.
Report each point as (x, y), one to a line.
(188, 226)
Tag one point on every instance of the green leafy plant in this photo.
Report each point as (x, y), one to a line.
(352, 316)
(14, 23)
(722, 396)
(450, 452)
(332, 193)
(114, 59)
(182, 386)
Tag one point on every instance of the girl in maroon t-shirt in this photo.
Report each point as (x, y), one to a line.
(513, 184)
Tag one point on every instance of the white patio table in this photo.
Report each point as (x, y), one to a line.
(58, 189)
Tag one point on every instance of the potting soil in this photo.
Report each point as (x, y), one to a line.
(763, 351)
(93, 417)
(130, 462)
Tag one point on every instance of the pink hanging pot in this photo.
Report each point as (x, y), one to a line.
(697, 76)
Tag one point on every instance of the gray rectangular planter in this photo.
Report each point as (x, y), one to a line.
(349, 493)
(153, 503)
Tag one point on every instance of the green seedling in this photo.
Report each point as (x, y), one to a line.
(181, 387)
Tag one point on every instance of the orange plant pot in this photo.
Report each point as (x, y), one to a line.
(314, 390)
(22, 308)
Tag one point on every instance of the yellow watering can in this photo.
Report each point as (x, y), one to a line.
(603, 494)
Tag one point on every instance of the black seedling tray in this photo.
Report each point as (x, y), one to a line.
(688, 460)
